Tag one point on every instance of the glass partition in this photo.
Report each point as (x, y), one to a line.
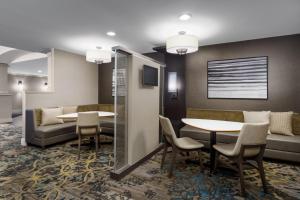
(120, 92)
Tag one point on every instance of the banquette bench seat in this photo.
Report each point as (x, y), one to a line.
(39, 135)
(280, 147)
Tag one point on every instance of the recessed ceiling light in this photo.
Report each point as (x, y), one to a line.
(111, 33)
(39, 71)
(185, 16)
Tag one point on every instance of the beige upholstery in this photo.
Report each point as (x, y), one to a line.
(49, 116)
(281, 123)
(182, 143)
(250, 134)
(68, 110)
(87, 119)
(178, 144)
(88, 126)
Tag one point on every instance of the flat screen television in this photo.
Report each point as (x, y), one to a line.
(150, 76)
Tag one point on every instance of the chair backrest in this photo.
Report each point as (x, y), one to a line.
(168, 130)
(252, 134)
(87, 119)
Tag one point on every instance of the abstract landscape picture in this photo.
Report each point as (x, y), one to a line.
(242, 78)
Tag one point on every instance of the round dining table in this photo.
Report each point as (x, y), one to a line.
(75, 115)
(213, 126)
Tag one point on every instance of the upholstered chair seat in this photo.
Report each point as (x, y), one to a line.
(187, 143)
(228, 150)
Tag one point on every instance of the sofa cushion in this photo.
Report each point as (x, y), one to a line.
(296, 124)
(257, 117)
(199, 134)
(49, 116)
(281, 123)
(38, 116)
(56, 129)
(86, 108)
(68, 110)
(215, 114)
(284, 143)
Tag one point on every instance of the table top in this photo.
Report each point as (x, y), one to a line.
(75, 115)
(213, 125)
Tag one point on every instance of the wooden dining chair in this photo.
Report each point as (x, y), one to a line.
(250, 145)
(184, 144)
(88, 126)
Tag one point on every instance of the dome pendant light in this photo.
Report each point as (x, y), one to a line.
(182, 44)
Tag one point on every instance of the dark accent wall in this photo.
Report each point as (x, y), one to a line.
(283, 74)
(105, 83)
(174, 108)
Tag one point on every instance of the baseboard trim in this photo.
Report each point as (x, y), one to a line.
(5, 120)
(122, 173)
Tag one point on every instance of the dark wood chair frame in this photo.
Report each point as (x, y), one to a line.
(176, 150)
(240, 160)
(94, 135)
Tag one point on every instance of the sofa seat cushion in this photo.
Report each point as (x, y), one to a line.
(199, 134)
(56, 129)
(107, 122)
(284, 143)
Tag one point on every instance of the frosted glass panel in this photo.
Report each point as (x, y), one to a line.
(120, 92)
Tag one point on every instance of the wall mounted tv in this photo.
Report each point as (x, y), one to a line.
(150, 76)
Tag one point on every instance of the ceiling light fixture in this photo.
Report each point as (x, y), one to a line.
(182, 44)
(111, 33)
(39, 71)
(98, 56)
(185, 16)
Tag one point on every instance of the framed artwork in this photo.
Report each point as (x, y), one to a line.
(241, 78)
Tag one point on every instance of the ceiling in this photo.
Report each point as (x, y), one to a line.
(24, 62)
(79, 25)
(36, 67)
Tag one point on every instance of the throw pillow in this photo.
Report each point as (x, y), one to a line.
(281, 123)
(257, 117)
(68, 110)
(49, 116)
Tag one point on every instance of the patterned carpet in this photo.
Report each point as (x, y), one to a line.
(55, 173)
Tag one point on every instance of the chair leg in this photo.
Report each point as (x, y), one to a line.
(164, 155)
(97, 143)
(173, 162)
(79, 144)
(201, 160)
(216, 160)
(241, 174)
(262, 175)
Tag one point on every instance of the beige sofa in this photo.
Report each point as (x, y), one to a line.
(278, 146)
(39, 135)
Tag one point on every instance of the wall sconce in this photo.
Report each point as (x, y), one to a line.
(172, 84)
(20, 85)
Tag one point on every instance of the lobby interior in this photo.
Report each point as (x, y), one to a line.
(140, 99)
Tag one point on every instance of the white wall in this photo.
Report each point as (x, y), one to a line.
(3, 78)
(5, 108)
(143, 112)
(29, 83)
(72, 81)
(75, 82)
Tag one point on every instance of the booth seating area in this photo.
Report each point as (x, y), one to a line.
(281, 147)
(43, 135)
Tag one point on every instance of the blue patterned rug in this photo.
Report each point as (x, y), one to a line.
(55, 173)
